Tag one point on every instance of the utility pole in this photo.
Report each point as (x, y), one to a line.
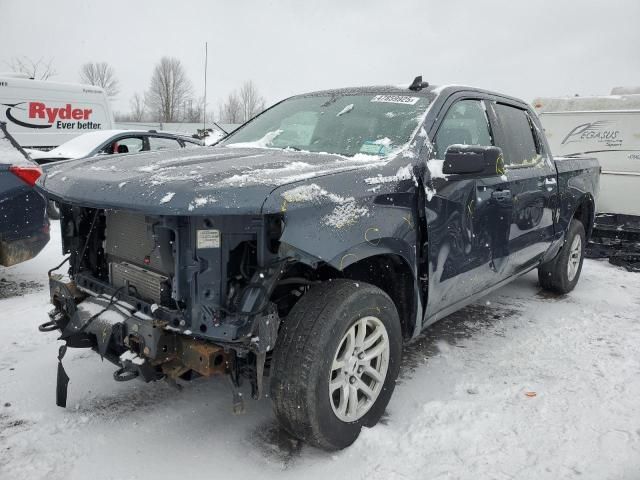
(204, 107)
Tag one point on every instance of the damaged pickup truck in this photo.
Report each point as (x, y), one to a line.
(305, 248)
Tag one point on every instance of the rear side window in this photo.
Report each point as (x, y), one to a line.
(520, 147)
(465, 123)
(161, 143)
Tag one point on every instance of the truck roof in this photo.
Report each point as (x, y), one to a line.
(430, 91)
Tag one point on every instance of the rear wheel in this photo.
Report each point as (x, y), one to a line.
(562, 273)
(336, 362)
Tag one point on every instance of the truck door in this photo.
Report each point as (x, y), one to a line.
(533, 184)
(468, 218)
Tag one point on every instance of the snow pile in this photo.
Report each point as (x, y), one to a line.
(345, 214)
(168, 197)
(311, 193)
(265, 141)
(435, 168)
(403, 173)
(202, 201)
(346, 109)
(213, 137)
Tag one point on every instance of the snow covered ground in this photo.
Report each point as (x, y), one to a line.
(521, 385)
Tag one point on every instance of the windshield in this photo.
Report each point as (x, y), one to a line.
(342, 124)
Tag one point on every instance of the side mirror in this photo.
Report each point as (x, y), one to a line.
(473, 160)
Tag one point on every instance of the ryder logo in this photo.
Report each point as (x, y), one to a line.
(599, 131)
(41, 115)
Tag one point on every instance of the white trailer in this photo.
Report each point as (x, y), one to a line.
(44, 114)
(608, 128)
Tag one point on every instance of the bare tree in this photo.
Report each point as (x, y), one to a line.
(251, 100)
(40, 69)
(138, 108)
(100, 74)
(169, 90)
(193, 110)
(231, 110)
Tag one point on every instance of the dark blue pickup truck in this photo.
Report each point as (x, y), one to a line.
(24, 226)
(313, 241)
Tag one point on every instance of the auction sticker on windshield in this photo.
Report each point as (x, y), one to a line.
(208, 239)
(396, 99)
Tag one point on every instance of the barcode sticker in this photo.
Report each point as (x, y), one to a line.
(208, 239)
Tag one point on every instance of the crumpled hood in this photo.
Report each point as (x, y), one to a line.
(211, 180)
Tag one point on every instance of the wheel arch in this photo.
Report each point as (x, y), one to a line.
(585, 213)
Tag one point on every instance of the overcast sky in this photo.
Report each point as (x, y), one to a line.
(523, 48)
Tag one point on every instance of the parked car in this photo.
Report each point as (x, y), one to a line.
(608, 127)
(108, 142)
(312, 242)
(44, 114)
(24, 226)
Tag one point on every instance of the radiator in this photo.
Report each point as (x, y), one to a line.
(140, 282)
(129, 238)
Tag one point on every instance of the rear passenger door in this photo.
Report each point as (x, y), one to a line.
(532, 181)
(468, 218)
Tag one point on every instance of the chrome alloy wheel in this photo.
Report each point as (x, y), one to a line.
(359, 369)
(575, 255)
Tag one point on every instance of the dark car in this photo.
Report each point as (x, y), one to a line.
(312, 242)
(24, 226)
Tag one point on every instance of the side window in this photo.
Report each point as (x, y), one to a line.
(465, 123)
(520, 146)
(125, 145)
(161, 143)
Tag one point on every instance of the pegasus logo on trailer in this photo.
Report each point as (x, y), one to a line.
(66, 117)
(595, 131)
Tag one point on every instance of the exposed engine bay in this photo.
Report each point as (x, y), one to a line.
(172, 297)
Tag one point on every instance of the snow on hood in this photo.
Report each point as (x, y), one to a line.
(207, 181)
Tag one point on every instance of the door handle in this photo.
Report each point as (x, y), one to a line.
(501, 195)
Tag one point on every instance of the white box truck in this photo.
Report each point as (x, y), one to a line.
(43, 114)
(607, 127)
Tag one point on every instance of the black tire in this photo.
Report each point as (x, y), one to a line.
(307, 343)
(52, 210)
(554, 275)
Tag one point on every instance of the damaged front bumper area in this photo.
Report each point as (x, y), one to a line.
(141, 345)
(147, 346)
(146, 294)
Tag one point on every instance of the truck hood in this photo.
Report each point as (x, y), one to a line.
(211, 180)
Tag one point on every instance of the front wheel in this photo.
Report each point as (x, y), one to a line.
(562, 273)
(336, 362)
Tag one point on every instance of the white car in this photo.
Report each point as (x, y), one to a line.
(108, 142)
